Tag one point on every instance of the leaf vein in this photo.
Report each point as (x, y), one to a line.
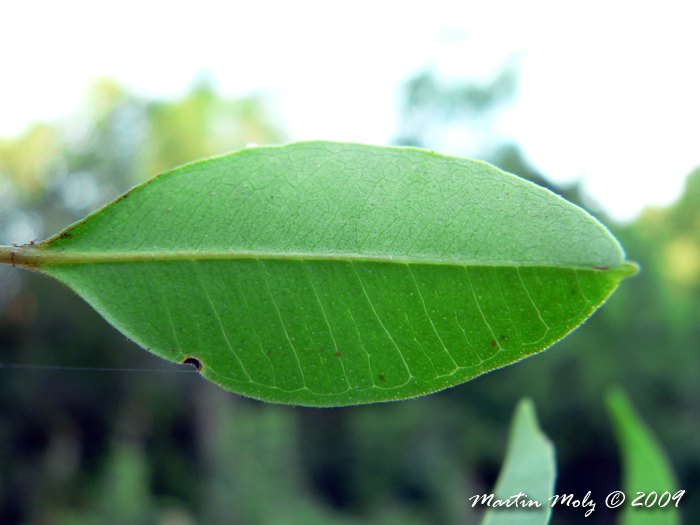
(284, 328)
(218, 318)
(374, 311)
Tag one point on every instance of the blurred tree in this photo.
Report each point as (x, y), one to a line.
(73, 445)
(28, 160)
(62, 171)
(646, 337)
(89, 447)
(451, 114)
(202, 125)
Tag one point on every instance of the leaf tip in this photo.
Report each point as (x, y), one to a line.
(628, 269)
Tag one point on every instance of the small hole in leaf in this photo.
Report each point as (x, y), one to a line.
(194, 362)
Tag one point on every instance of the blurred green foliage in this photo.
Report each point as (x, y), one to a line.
(529, 470)
(646, 469)
(96, 447)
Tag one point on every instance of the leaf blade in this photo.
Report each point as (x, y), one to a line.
(376, 273)
(337, 198)
(350, 294)
(646, 467)
(529, 468)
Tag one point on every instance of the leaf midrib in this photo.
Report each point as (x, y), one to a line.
(33, 256)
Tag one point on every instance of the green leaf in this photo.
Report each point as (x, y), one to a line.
(645, 466)
(529, 469)
(330, 274)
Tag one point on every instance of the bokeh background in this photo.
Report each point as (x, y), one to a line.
(599, 103)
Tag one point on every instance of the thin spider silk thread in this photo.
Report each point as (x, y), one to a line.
(12, 366)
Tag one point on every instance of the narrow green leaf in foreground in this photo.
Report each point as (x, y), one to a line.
(330, 274)
(645, 467)
(529, 469)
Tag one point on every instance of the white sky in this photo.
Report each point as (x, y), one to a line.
(609, 92)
